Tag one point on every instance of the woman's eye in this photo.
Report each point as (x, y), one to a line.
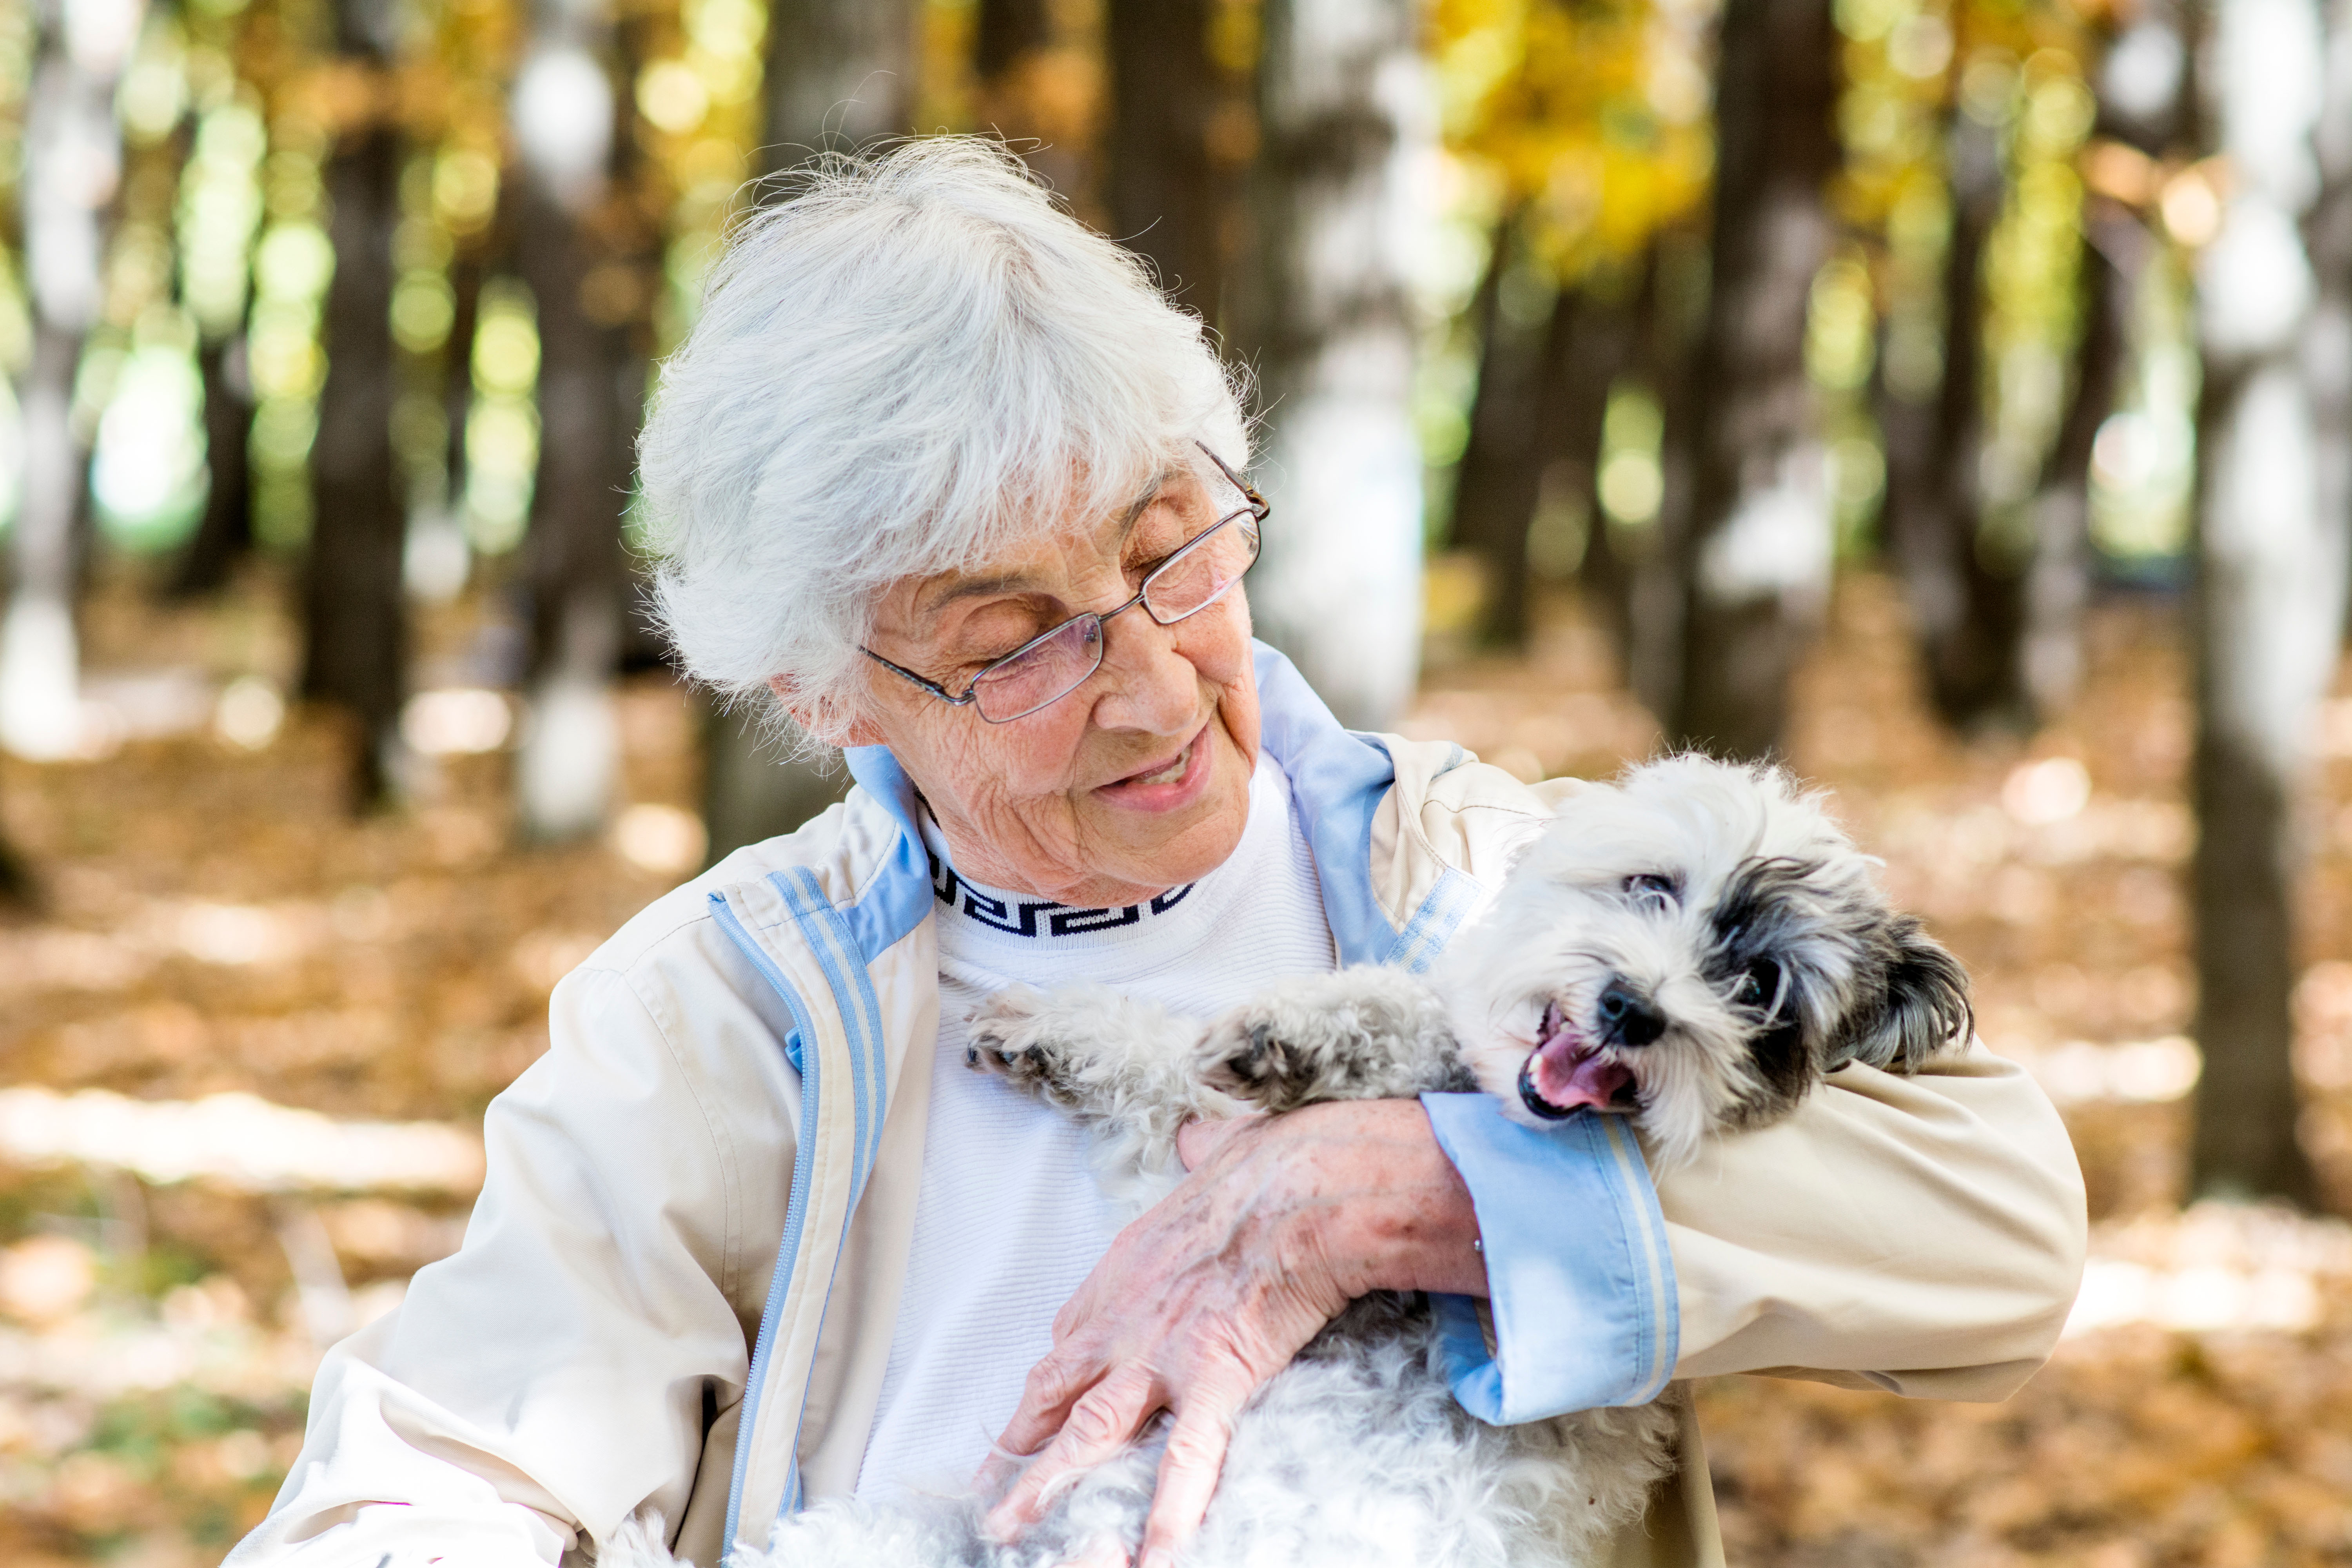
(1650, 884)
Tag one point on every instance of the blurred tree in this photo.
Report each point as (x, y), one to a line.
(1501, 468)
(1040, 87)
(2115, 252)
(1163, 187)
(19, 889)
(225, 533)
(1323, 315)
(1591, 120)
(576, 245)
(841, 74)
(1009, 33)
(1623, 342)
(2270, 594)
(2327, 345)
(219, 213)
(1756, 542)
(1964, 604)
(1550, 356)
(354, 628)
(73, 163)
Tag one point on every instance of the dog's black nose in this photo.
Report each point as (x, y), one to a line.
(1628, 1018)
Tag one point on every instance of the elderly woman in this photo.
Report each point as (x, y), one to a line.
(940, 470)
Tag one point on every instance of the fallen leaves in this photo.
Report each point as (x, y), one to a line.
(216, 925)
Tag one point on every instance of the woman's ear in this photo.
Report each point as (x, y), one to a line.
(830, 721)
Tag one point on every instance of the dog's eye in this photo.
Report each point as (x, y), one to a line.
(1650, 884)
(1760, 985)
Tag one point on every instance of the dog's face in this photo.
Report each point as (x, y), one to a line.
(1693, 945)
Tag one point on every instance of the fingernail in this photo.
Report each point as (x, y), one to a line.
(1158, 1557)
(1000, 1526)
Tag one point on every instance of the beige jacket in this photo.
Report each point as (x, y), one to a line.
(585, 1359)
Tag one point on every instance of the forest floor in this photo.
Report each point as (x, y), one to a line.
(216, 924)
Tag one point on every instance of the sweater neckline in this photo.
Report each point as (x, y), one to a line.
(978, 919)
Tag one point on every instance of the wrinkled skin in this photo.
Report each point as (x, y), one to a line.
(1283, 1222)
(1053, 804)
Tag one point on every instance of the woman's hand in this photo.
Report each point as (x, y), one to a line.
(1282, 1223)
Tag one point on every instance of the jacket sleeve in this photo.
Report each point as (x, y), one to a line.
(554, 1378)
(1923, 1234)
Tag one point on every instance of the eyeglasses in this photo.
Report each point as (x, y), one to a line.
(1052, 665)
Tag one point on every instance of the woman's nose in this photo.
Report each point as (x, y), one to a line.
(1149, 684)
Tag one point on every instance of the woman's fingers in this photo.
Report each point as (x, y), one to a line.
(1102, 1551)
(1053, 1385)
(1098, 1426)
(1201, 1138)
(1188, 1472)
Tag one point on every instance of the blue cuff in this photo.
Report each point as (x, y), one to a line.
(1577, 1267)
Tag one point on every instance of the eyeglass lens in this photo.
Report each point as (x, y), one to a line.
(1190, 581)
(1040, 672)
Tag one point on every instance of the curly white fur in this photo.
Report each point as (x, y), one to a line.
(1720, 904)
(1355, 1457)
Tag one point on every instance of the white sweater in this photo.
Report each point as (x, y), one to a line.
(1008, 1220)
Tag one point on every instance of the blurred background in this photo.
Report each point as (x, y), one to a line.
(1952, 397)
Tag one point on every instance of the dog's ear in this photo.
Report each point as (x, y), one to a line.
(1919, 1003)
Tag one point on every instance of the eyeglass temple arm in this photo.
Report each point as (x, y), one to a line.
(933, 687)
(1258, 502)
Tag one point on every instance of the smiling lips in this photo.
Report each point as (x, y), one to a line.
(1170, 773)
(1172, 784)
(1566, 1071)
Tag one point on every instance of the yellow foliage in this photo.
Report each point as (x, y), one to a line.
(1592, 116)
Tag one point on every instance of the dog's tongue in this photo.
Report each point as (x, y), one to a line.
(1567, 1077)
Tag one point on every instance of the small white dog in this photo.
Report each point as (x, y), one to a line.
(1691, 946)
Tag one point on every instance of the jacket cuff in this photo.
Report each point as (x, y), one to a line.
(1581, 1285)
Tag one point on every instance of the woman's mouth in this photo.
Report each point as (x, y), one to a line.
(1170, 773)
(1165, 786)
(1567, 1072)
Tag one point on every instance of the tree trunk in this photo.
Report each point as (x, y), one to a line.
(840, 74)
(1501, 472)
(355, 632)
(751, 790)
(1006, 31)
(1163, 189)
(2115, 249)
(1758, 546)
(1969, 606)
(1014, 51)
(1647, 571)
(1327, 325)
(225, 533)
(1593, 339)
(73, 160)
(2327, 345)
(592, 373)
(2269, 600)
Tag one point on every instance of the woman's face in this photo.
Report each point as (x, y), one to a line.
(1133, 784)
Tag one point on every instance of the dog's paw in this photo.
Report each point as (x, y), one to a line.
(1360, 1034)
(1005, 1030)
(1258, 1053)
(1034, 1042)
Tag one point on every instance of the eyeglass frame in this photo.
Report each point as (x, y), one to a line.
(1255, 506)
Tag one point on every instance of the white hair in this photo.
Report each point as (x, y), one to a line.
(913, 360)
